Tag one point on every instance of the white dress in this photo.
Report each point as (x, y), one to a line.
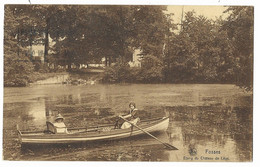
(133, 121)
(128, 125)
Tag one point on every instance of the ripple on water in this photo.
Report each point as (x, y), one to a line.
(201, 117)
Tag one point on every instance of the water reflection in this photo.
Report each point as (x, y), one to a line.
(37, 111)
(205, 138)
(200, 119)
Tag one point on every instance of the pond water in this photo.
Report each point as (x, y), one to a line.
(207, 122)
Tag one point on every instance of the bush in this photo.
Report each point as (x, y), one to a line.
(118, 73)
(17, 82)
(40, 67)
(152, 75)
(17, 70)
(150, 72)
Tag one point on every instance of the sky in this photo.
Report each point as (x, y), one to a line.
(211, 12)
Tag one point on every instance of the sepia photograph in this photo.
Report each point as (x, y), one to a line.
(131, 83)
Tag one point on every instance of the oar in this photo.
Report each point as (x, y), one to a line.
(165, 144)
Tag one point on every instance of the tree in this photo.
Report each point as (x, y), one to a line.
(240, 27)
(65, 31)
(200, 52)
(225, 66)
(17, 65)
(192, 55)
(151, 70)
(151, 26)
(92, 32)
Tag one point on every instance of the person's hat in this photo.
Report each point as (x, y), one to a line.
(59, 116)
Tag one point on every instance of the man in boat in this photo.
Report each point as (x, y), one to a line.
(132, 116)
(59, 125)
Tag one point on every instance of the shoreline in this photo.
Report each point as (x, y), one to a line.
(51, 78)
(36, 77)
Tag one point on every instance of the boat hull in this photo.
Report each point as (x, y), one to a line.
(43, 138)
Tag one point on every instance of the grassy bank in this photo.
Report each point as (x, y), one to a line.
(33, 77)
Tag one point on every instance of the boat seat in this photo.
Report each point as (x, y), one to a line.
(56, 128)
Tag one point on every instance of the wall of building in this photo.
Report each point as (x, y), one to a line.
(137, 56)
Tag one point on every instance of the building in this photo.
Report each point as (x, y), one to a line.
(137, 57)
(36, 52)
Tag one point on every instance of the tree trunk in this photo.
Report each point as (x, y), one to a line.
(18, 42)
(46, 42)
(69, 67)
(68, 61)
(106, 61)
(109, 61)
(31, 40)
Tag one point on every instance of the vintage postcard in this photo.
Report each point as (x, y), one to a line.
(146, 83)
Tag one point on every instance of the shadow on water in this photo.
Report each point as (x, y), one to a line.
(225, 130)
(132, 148)
(193, 130)
(200, 120)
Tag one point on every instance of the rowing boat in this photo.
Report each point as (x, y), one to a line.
(98, 133)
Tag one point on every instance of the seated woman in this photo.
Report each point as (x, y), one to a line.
(131, 117)
(59, 126)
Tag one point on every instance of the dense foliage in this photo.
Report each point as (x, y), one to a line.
(200, 51)
(17, 66)
(240, 29)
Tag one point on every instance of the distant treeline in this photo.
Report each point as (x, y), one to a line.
(198, 50)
